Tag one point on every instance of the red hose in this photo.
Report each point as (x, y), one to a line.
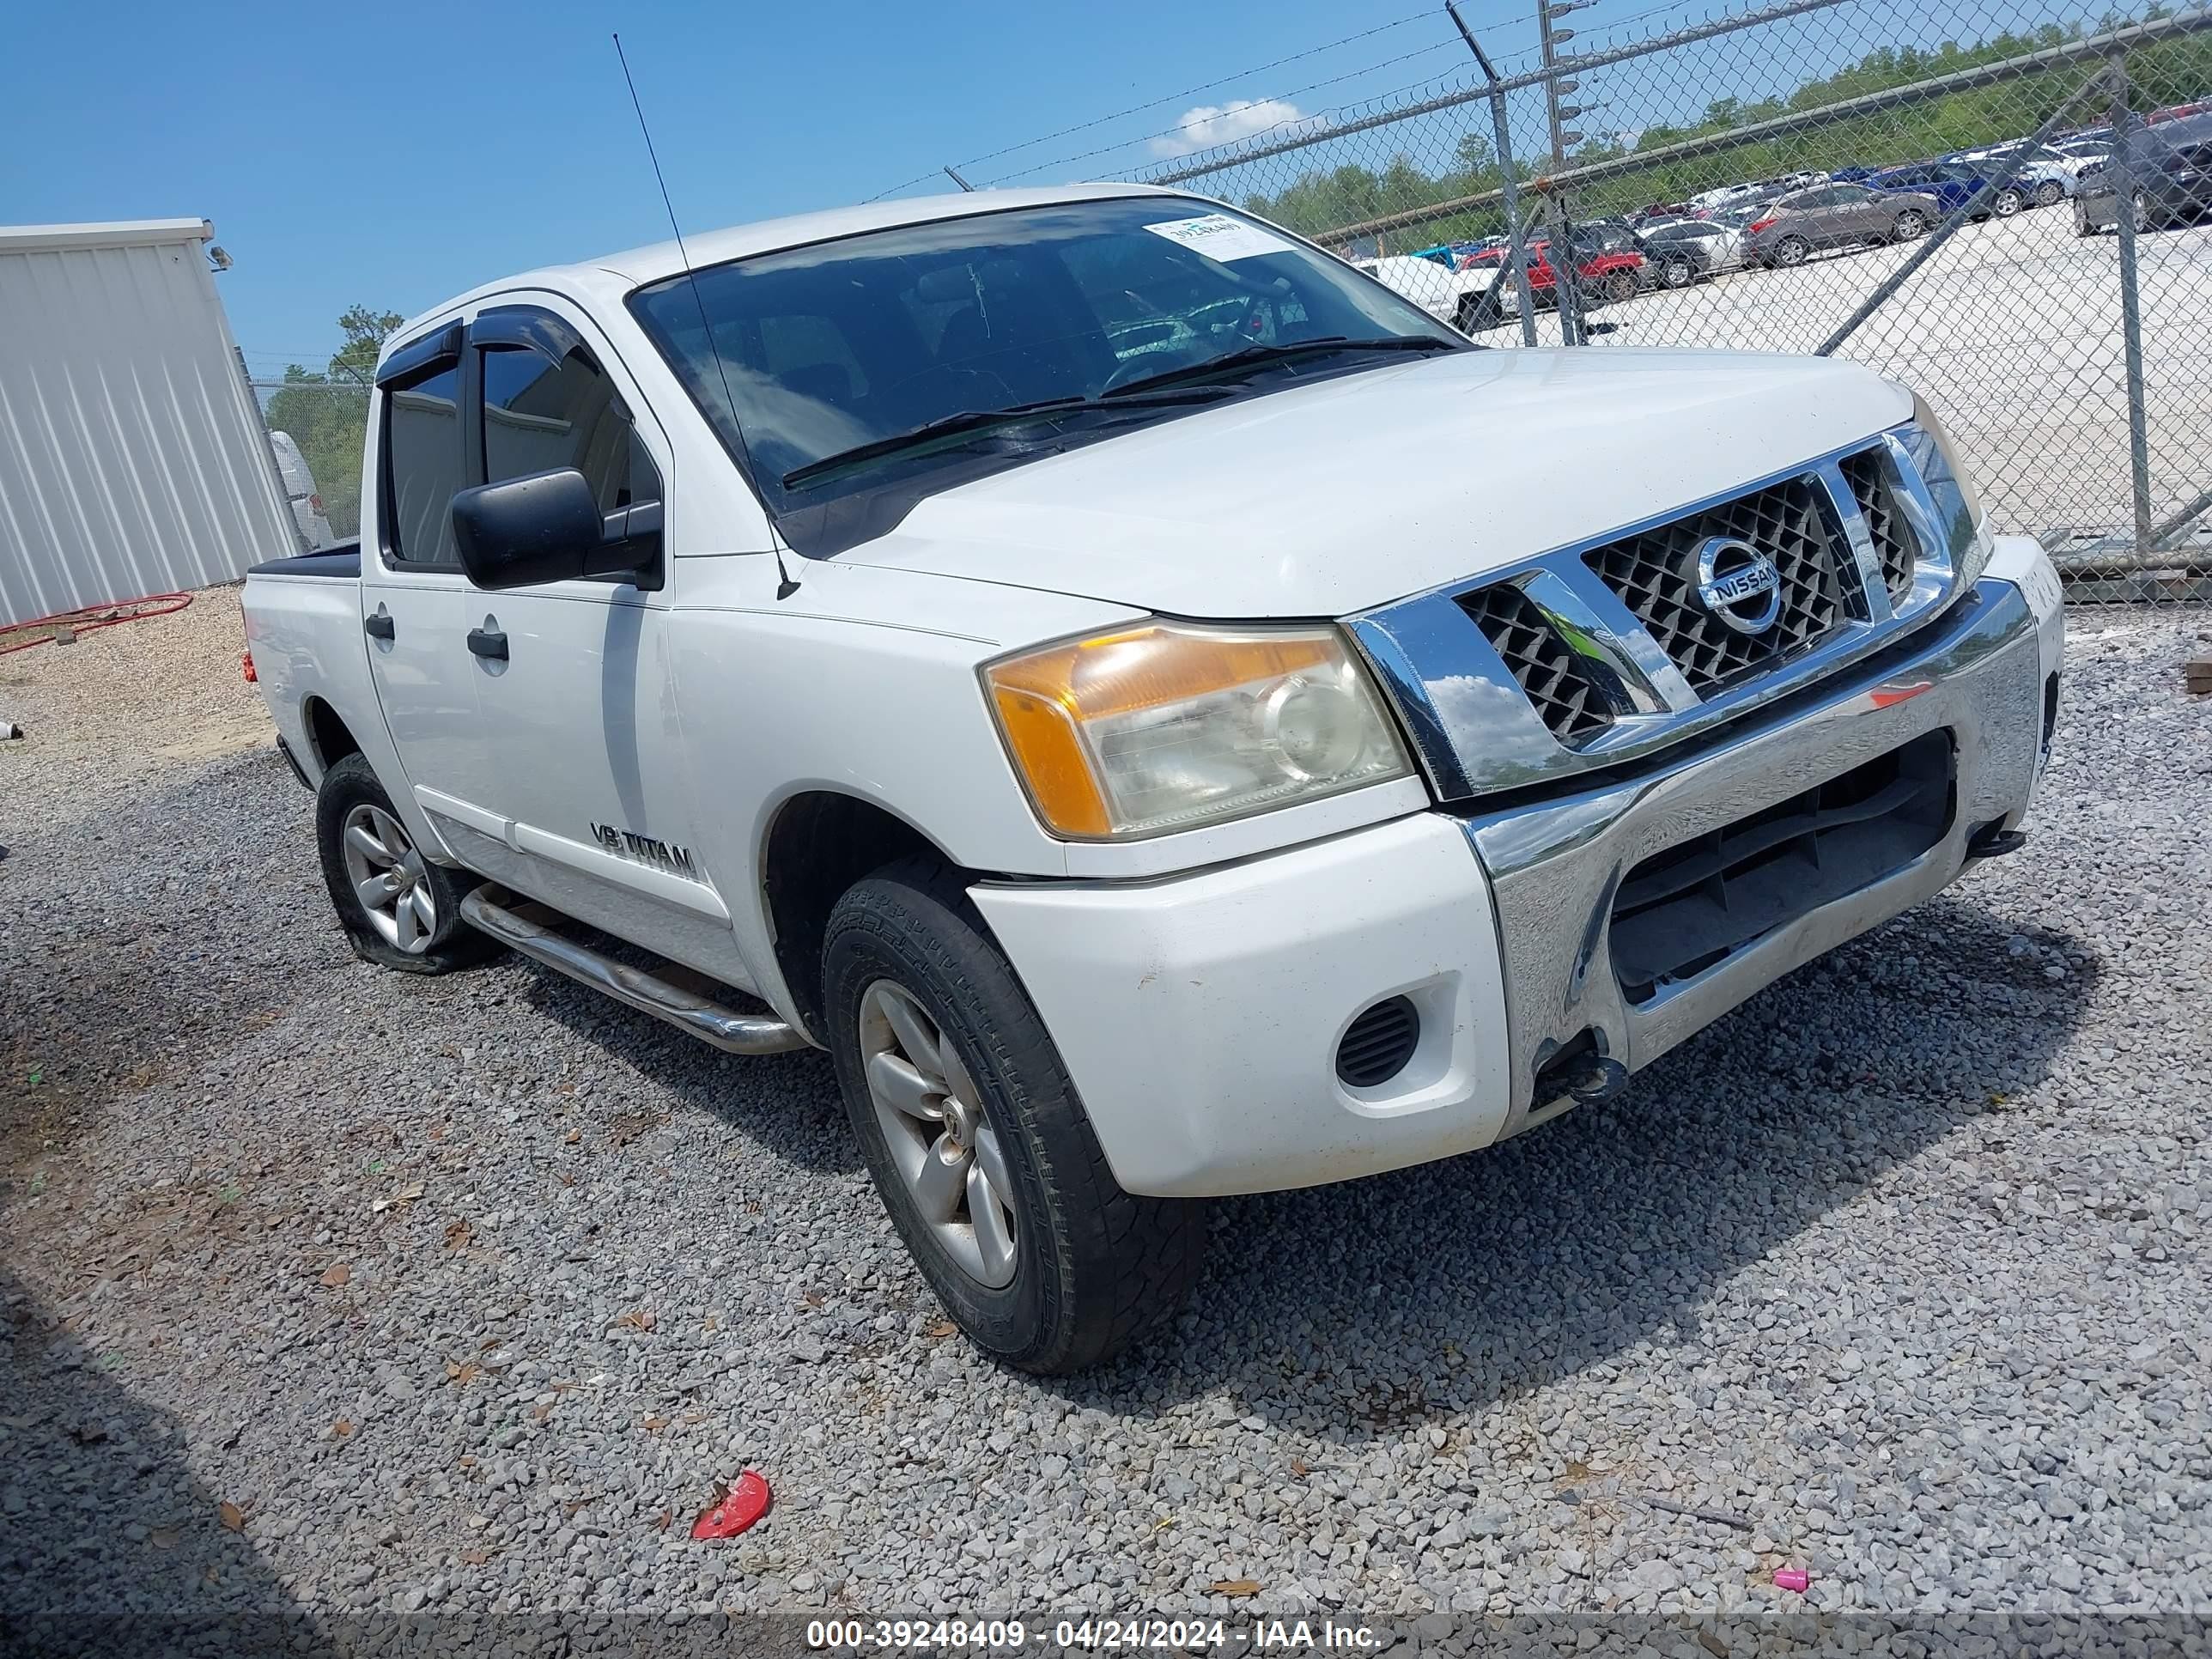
(94, 615)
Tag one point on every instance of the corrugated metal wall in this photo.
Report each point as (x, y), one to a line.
(132, 460)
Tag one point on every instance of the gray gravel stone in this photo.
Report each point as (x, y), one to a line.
(1905, 1263)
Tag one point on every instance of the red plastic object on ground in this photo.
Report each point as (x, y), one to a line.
(1792, 1578)
(745, 1502)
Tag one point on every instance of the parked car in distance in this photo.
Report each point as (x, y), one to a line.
(1605, 275)
(2035, 180)
(2171, 170)
(1447, 294)
(1830, 216)
(1953, 184)
(1681, 251)
(299, 492)
(2048, 172)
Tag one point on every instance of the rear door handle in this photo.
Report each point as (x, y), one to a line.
(486, 642)
(378, 626)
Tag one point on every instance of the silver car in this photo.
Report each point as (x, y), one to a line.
(1795, 227)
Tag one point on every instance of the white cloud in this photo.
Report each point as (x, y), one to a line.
(1225, 123)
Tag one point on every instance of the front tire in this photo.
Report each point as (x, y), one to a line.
(1619, 287)
(2050, 193)
(1909, 226)
(1677, 273)
(2009, 201)
(977, 1141)
(399, 909)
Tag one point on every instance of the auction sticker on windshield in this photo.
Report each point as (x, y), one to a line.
(1220, 237)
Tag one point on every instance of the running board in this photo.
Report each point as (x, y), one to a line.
(488, 910)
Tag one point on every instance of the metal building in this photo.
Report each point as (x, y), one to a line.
(132, 458)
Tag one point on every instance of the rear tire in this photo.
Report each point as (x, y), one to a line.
(1909, 226)
(1059, 1270)
(2009, 201)
(2050, 193)
(1789, 251)
(1619, 287)
(416, 926)
(1677, 273)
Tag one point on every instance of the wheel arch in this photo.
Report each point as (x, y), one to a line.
(817, 844)
(328, 735)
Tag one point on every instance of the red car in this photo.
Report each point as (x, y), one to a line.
(1606, 276)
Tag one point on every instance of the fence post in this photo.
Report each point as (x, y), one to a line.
(1507, 189)
(2123, 209)
(1566, 271)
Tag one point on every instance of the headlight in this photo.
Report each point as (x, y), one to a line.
(1166, 727)
(1958, 508)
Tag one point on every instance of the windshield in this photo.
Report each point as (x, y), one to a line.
(829, 349)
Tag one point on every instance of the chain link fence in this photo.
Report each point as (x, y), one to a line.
(2001, 203)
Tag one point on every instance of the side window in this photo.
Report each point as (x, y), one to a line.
(539, 413)
(422, 466)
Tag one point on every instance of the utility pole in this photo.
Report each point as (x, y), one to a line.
(1556, 89)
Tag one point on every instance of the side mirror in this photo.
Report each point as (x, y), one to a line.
(547, 527)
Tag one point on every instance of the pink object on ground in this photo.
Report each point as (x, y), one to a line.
(1792, 1578)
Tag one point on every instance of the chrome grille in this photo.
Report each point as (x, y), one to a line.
(1557, 680)
(1876, 496)
(1655, 574)
(1599, 653)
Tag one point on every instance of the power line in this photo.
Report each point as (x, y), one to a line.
(1280, 97)
(1172, 98)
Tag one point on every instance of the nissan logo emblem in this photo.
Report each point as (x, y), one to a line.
(1739, 584)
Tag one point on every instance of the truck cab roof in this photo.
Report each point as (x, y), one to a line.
(612, 275)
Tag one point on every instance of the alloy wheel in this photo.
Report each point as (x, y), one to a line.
(389, 878)
(943, 1146)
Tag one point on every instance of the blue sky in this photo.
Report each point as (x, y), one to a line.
(394, 154)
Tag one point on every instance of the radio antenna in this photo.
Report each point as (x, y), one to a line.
(784, 588)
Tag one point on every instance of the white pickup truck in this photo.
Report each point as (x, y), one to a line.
(1065, 652)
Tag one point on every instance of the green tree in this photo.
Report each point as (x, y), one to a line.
(326, 413)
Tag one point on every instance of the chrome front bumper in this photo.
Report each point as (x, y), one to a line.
(1555, 867)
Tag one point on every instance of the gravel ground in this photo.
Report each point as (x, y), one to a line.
(346, 1291)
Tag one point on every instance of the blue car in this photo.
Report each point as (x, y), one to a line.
(1953, 184)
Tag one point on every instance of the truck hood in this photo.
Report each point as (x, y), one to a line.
(1323, 500)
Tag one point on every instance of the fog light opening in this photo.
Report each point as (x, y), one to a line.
(1378, 1044)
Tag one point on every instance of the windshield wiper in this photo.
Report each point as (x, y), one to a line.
(1262, 356)
(982, 420)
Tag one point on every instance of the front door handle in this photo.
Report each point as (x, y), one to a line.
(487, 642)
(378, 625)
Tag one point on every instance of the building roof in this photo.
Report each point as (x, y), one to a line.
(114, 232)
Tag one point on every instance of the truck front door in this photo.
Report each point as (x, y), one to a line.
(582, 772)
